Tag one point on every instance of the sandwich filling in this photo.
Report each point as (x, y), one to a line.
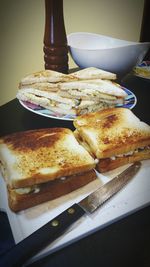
(131, 153)
(34, 189)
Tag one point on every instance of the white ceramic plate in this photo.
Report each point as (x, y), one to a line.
(130, 102)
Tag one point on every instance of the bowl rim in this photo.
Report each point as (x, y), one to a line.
(127, 43)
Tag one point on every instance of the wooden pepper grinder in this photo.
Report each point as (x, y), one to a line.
(55, 40)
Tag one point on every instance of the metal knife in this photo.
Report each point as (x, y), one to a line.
(25, 249)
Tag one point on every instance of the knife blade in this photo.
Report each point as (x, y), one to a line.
(25, 249)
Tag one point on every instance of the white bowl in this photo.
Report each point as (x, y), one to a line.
(104, 52)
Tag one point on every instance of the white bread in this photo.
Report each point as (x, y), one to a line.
(112, 132)
(42, 155)
(41, 86)
(45, 76)
(46, 99)
(93, 88)
(99, 94)
(94, 73)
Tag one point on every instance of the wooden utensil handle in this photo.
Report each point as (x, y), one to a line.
(21, 252)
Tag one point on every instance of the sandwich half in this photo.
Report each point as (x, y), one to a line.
(43, 164)
(48, 98)
(114, 137)
(45, 76)
(100, 94)
(94, 73)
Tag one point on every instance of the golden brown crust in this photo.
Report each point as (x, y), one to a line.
(49, 191)
(112, 131)
(32, 139)
(41, 155)
(109, 164)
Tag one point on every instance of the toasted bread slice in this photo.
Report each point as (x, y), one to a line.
(112, 131)
(42, 155)
(20, 199)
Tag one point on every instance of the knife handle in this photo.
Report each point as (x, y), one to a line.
(25, 249)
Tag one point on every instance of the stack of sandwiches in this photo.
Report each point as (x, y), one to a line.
(81, 92)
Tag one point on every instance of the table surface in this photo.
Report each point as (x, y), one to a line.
(123, 243)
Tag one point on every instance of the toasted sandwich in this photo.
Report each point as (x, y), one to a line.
(114, 137)
(43, 164)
